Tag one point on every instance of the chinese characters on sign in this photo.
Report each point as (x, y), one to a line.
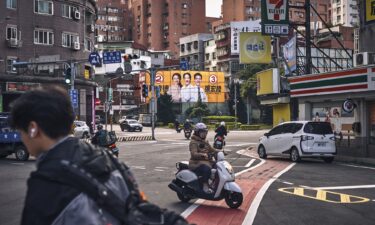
(255, 48)
(275, 17)
(237, 28)
(111, 57)
(370, 11)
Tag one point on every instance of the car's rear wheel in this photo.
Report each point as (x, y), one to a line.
(294, 155)
(140, 130)
(21, 153)
(262, 152)
(328, 159)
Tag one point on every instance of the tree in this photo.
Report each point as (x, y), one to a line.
(249, 89)
(199, 110)
(165, 110)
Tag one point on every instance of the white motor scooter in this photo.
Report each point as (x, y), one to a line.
(187, 184)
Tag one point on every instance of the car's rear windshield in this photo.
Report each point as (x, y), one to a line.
(132, 121)
(318, 128)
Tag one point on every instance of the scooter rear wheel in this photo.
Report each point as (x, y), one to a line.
(233, 199)
(183, 198)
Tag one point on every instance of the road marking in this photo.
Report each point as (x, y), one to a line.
(161, 167)
(346, 187)
(250, 163)
(251, 213)
(158, 170)
(321, 195)
(287, 183)
(138, 167)
(18, 164)
(350, 165)
(191, 208)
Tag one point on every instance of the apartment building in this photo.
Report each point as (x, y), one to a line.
(345, 12)
(159, 24)
(210, 58)
(241, 10)
(113, 21)
(192, 50)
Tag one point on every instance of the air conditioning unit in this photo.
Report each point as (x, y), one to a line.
(76, 45)
(77, 14)
(13, 43)
(364, 59)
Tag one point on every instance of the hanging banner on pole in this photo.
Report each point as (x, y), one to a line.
(290, 56)
(275, 17)
(255, 48)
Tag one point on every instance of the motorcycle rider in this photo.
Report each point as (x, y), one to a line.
(187, 125)
(99, 133)
(200, 162)
(177, 126)
(221, 130)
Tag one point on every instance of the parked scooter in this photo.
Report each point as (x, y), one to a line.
(187, 133)
(187, 185)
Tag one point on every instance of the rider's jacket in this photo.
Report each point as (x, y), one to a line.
(198, 152)
(221, 131)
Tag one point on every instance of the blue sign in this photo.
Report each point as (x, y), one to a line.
(94, 59)
(111, 57)
(184, 65)
(74, 97)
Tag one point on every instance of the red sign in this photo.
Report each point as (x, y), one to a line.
(21, 87)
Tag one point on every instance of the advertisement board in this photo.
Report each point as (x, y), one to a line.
(241, 26)
(290, 56)
(255, 48)
(189, 86)
(370, 11)
(268, 82)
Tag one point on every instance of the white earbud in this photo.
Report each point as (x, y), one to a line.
(32, 132)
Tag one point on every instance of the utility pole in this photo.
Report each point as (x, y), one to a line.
(235, 103)
(152, 82)
(307, 39)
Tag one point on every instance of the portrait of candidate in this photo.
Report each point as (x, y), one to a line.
(186, 90)
(197, 90)
(175, 88)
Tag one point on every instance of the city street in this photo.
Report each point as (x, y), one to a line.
(276, 191)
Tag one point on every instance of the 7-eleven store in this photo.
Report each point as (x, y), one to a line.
(321, 97)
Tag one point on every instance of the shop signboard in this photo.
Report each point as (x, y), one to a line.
(290, 56)
(268, 82)
(255, 48)
(370, 11)
(275, 17)
(237, 28)
(189, 86)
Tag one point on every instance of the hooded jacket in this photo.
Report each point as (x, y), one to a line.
(198, 152)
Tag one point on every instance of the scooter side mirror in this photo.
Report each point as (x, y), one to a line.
(220, 156)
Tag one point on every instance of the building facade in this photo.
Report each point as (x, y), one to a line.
(345, 12)
(240, 10)
(210, 57)
(192, 50)
(113, 21)
(159, 24)
(51, 36)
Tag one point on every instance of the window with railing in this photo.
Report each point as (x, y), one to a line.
(68, 39)
(43, 37)
(11, 4)
(11, 32)
(67, 11)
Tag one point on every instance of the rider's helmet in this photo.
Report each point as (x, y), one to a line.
(99, 127)
(201, 130)
(222, 123)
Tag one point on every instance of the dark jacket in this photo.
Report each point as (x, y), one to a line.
(51, 202)
(221, 131)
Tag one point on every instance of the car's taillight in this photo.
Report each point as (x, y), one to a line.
(306, 137)
(112, 146)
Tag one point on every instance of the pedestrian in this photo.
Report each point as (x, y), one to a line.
(74, 182)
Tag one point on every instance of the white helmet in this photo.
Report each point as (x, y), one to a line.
(199, 127)
(222, 123)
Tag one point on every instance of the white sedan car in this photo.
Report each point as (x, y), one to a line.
(299, 139)
(81, 130)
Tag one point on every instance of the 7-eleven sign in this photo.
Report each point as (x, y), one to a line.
(276, 10)
(275, 17)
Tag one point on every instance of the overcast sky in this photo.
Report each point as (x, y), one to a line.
(213, 8)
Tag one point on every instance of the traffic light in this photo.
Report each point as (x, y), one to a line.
(68, 75)
(144, 90)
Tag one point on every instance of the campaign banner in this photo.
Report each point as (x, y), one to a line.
(289, 52)
(255, 48)
(189, 86)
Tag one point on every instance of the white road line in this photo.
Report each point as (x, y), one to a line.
(284, 182)
(251, 213)
(158, 170)
(350, 165)
(138, 167)
(18, 163)
(346, 187)
(191, 208)
(307, 187)
(250, 162)
(161, 167)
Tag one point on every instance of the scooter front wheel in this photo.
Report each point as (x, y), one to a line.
(233, 199)
(183, 198)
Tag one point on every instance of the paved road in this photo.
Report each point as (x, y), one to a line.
(276, 191)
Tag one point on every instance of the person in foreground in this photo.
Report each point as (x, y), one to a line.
(200, 161)
(75, 182)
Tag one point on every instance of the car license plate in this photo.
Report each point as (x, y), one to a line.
(321, 144)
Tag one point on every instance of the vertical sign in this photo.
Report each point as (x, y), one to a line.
(275, 17)
(74, 97)
(242, 26)
(370, 11)
(289, 52)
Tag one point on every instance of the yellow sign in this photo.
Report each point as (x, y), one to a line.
(267, 82)
(255, 48)
(189, 86)
(87, 74)
(370, 11)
